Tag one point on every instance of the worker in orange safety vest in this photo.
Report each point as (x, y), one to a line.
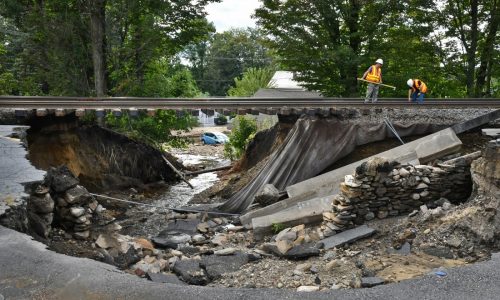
(417, 90)
(374, 76)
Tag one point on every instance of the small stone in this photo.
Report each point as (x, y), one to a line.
(219, 240)
(415, 196)
(371, 281)
(225, 251)
(307, 288)
(198, 238)
(403, 172)
(369, 216)
(203, 227)
(286, 235)
(382, 214)
(81, 235)
(77, 211)
(303, 267)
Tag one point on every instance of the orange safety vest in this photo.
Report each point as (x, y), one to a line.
(374, 74)
(419, 85)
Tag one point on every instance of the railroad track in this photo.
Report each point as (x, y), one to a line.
(19, 102)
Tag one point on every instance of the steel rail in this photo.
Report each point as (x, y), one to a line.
(221, 103)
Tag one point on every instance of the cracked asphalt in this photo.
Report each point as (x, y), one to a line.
(29, 271)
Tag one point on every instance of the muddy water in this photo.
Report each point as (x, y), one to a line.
(180, 194)
(149, 221)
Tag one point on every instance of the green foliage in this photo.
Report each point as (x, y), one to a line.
(160, 80)
(243, 131)
(328, 43)
(217, 61)
(49, 46)
(155, 130)
(253, 79)
(277, 227)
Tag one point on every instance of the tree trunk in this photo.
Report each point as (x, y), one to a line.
(471, 53)
(98, 40)
(352, 21)
(487, 52)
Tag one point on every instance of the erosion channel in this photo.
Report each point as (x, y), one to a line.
(315, 203)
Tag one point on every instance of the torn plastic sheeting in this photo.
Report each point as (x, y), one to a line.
(312, 145)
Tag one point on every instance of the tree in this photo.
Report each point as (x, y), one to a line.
(224, 56)
(252, 80)
(75, 47)
(320, 40)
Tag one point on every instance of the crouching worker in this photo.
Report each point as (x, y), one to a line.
(417, 90)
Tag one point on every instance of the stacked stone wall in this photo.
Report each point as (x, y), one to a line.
(381, 188)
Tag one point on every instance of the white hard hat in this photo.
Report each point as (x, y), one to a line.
(410, 82)
(379, 61)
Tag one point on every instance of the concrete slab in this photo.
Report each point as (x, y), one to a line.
(493, 132)
(345, 237)
(476, 122)
(420, 151)
(305, 212)
(246, 219)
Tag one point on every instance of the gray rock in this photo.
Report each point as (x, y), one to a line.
(188, 226)
(286, 235)
(442, 252)
(190, 271)
(215, 266)
(302, 251)
(164, 278)
(367, 282)
(77, 211)
(40, 223)
(77, 194)
(369, 216)
(60, 179)
(81, 235)
(267, 195)
(41, 204)
(348, 236)
(171, 239)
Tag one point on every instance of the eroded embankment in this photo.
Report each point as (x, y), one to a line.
(100, 158)
(315, 143)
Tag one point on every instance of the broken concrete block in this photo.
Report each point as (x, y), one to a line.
(346, 237)
(302, 213)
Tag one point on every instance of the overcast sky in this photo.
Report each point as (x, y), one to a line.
(232, 13)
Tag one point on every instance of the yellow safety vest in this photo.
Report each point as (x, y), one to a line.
(374, 74)
(419, 85)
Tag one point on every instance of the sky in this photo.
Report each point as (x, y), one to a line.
(232, 14)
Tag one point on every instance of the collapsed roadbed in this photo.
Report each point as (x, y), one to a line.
(388, 220)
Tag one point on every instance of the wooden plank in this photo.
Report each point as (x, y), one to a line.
(60, 112)
(80, 112)
(41, 112)
(177, 172)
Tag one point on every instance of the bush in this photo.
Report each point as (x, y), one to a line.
(155, 130)
(243, 131)
(220, 120)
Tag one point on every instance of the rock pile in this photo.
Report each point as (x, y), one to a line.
(72, 208)
(382, 188)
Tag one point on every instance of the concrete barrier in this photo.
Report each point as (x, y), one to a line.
(421, 151)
